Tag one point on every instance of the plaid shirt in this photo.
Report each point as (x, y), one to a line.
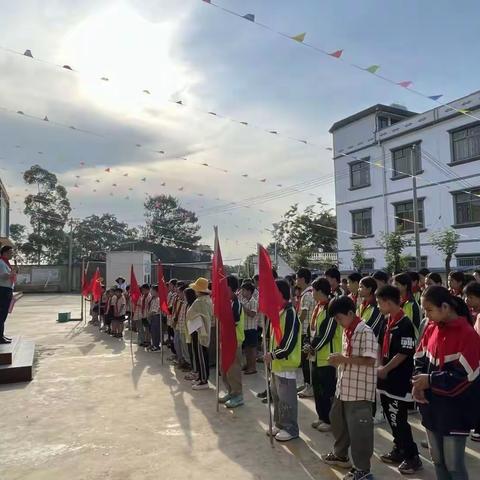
(308, 304)
(251, 323)
(356, 382)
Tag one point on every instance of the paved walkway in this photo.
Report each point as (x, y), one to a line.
(98, 410)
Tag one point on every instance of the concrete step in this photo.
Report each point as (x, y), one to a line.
(21, 368)
(7, 351)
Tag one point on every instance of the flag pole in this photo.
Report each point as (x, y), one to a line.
(267, 372)
(161, 337)
(81, 288)
(217, 361)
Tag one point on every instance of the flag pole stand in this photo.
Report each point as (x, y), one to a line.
(161, 337)
(217, 362)
(267, 378)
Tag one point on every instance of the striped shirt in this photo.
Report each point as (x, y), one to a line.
(251, 323)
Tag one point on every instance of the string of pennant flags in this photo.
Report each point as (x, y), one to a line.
(177, 102)
(338, 55)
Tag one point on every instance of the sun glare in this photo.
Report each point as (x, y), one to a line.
(132, 53)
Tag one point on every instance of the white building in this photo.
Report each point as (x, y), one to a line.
(372, 152)
(119, 265)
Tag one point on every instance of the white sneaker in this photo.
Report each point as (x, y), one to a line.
(307, 392)
(324, 427)
(195, 382)
(378, 419)
(201, 386)
(284, 436)
(275, 431)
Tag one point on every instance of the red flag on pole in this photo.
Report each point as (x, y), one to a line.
(96, 286)
(134, 288)
(222, 309)
(86, 285)
(162, 289)
(270, 301)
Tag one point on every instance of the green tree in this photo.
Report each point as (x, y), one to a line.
(394, 243)
(18, 233)
(100, 233)
(358, 256)
(170, 224)
(446, 242)
(48, 210)
(300, 234)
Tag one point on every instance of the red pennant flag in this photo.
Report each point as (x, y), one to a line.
(222, 309)
(96, 286)
(405, 84)
(270, 301)
(134, 288)
(162, 289)
(336, 54)
(86, 285)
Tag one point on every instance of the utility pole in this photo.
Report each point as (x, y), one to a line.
(70, 255)
(416, 225)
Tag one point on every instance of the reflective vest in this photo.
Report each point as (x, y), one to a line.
(408, 310)
(292, 362)
(240, 328)
(334, 346)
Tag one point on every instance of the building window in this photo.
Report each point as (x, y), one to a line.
(412, 263)
(401, 160)
(404, 216)
(472, 260)
(368, 264)
(360, 173)
(466, 144)
(362, 222)
(383, 122)
(467, 207)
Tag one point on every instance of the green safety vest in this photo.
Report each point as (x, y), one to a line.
(240, 328)
(334, 346)
(292, 362)
(408, 310)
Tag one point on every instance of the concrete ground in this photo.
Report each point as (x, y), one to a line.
(98, 410)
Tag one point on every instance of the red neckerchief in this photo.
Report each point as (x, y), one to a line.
(353, 297)
(416, 289)
(455, 292)
(349, 331)
(316, 312)
(406, 299)
(366, 303)
(392, 321)
(7, 261)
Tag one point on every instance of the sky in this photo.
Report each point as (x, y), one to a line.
(192, 52)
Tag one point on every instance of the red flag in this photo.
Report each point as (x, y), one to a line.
(222, 309)
(270, 301)
(134, 288)
(86, 285)
(162, 289)
(96, 286)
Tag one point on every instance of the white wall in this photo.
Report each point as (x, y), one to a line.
(119, 264)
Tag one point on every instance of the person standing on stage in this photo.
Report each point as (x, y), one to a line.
(7, 280)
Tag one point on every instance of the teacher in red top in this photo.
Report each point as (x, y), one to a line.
(7, 280)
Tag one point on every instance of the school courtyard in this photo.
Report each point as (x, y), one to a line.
(97, 409)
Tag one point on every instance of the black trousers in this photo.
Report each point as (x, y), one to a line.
(201, 359)
(5, 300)
(396, 413)
(305, 362)
(324, 383)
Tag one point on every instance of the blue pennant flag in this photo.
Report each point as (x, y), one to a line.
(435, 97)
(249, 16)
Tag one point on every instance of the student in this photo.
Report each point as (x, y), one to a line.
(333, 277)
(171, 302)
(284, 358)
(456, 283)
(353, 284)
(190, 297)
(233, 377)
(416, 289)
(182, 330)
(351, 414)
(101, 309)
(423, 273)
(397, 347)
(433, 279)
(177, 344)
(201, 308)
(325, 338)
(143, 338)
(368, 310)
(119, 313)
(120, 283)
(305, 310)
(381, 278)
(109, 310)
(476, 274)
(154, 320)
(445, 388)
(410, 307)
(472, 298)
(128, 301)
(344, 287)
(249, 306)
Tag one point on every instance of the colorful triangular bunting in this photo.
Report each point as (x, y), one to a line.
(405, 83)
(28, 53)
(372, 69)
(250, 17)
(299, 38)
(435, 97)
(336, 54)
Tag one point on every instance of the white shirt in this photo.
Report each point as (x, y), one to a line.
(5, 271)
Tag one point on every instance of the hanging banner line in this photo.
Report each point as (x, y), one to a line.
(178, 102)
(338, 56)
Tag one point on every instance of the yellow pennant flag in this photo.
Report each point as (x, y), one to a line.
(299, 38)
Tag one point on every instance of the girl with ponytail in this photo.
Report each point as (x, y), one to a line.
(446, 381)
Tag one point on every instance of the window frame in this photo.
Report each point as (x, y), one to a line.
(396, 174)
(357, 211)
(421, 205)
(364, 160)
(455, 194)
(451, 133)
(423, 262)
(463, 256)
